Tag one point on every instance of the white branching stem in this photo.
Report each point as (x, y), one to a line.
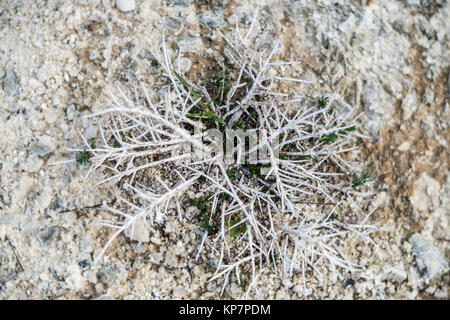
(286, 218)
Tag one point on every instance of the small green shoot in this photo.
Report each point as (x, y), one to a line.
(225, 196)
(238, 125)
(235, 230)
(322, 103)
(206, 110)
(333, 217)
(206, 225)
(274, 258)
(360, 181)
(329, 138)
(116, 144)
(231, 173)
(83, 157)
(255, 170)
(202, 204)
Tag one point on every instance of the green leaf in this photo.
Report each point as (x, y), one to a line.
(193, 93)
(83, 157)
(329, 137)
(360, 181)
(231, 174)
(323, 101)
(213, 115)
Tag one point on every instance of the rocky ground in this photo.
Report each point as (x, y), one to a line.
(58, 58)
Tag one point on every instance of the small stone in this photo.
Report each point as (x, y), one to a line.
(191, 211)
(183, 3)
(93, 55)
(126, 5)
(99, 287)
(212, 19)
(45, 235)
(110, 275)
(140, 232)
(84, 263)
(50, 116)
(10, 84)
(185, 65)
(425, 193)
(42, 146)
(74, 279)
(156, 240)
(211, 286)
(441, 293)
(349, 282)
(428, 256)
(172, 23)
(189, 43)
(179, 292)
(169, 228)
(90, 132)
(394, 272)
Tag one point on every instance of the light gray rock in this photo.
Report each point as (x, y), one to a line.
(211, 286)
(42, 146)
(45, 235)
(169, 228)
(212, 19)
(394, 272)
(90, 132)
(179, 292)
(172, 23)
(109, 275)
(183, 3)
(189, 43)
(140, 232)
(428, 257)
(126, 5)
(191, 211)
(10, 84)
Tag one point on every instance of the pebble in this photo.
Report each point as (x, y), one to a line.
(90, 132)
(42, 146)
(169, 228)
(428, 256)
(10, 84)
(156, 240)
(211, 286)
(45, 235)
(50, 116)
(140, 232)
(395, 272)
(126, 5)
(179, 292)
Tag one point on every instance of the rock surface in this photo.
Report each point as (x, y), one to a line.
(428, 257)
